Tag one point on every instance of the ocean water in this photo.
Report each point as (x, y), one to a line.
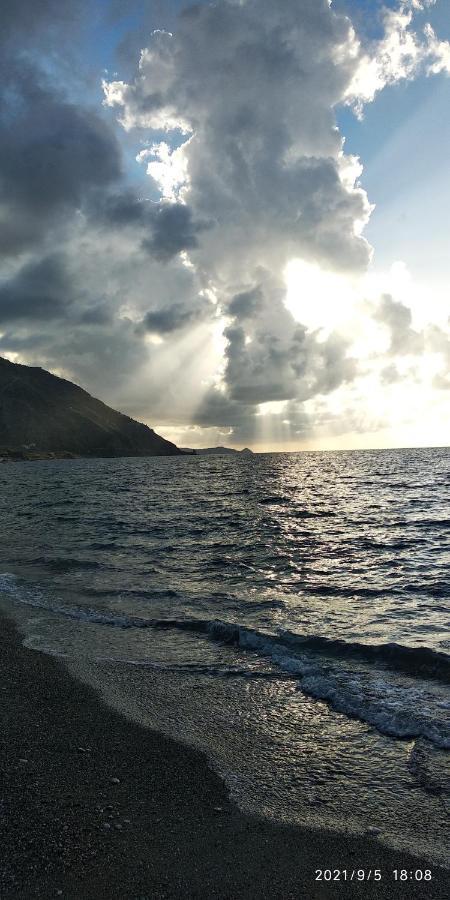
(286, 613)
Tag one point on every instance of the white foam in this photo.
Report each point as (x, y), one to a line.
(394, 709)
(396, 705)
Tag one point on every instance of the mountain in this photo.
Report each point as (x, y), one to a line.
(41, 414)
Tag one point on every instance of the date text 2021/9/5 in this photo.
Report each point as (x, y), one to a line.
(372, 874)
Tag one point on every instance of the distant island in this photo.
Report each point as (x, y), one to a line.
(219, 451)
(45, 417)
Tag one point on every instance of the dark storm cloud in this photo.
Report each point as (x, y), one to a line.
(96, 315)
(165, 229)
(101, 363)
(83, 261)
(173, 231)
(40, 291)
(53, 154)
(122, 210)
(31, 18)
(245, 304)
(59, 157)
(217, 409)
(172, 318)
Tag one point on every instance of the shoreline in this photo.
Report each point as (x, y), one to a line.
(94, 806)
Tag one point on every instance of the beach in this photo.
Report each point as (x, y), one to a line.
(94, 806)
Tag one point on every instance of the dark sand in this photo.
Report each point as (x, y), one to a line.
(165, 829)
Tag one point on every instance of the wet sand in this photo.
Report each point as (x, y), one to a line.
(93, 806)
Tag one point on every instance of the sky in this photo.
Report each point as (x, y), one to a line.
(230, 220)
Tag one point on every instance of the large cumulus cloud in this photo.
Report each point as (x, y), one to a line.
(255, 85)
(248, 90)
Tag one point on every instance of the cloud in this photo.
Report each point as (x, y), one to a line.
(173, 231)
(273, 358)
(172, 318)
(33, 22)
(231, 107)
(390, 375)
(422, 356)
(165, 229)
(54, 151)
(400, 54)
(398, 319)
(438, 342)
(83, 260)
(216, 408)
(39, 292)
(252, 87)
(246, 304)
(53, 154)
(96, 349)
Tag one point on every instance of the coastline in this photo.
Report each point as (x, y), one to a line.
(94, 806)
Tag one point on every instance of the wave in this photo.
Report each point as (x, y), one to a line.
(308, 514)
(362, 681)
(417, 661)
(141, 593)
(199, 669)
(65, 564)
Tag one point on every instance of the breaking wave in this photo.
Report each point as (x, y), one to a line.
(392, 687)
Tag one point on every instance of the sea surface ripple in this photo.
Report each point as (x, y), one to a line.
(320, 579)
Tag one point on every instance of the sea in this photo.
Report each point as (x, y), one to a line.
(287, 614)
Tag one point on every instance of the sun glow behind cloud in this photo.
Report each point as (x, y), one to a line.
(393, 401)
(154, 267)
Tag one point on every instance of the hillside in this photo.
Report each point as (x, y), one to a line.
(41, 412)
